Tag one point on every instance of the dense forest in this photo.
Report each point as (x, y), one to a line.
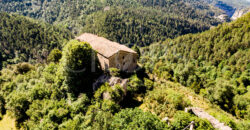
(215, 64)
(26, 40)
(139, 26)
(182, 17)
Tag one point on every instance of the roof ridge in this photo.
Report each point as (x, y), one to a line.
(102, 45)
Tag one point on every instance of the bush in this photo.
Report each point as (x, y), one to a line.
(18, 103)
(49, 72)
(148, 83)
(100, 114)
(242, 104)
(135, 85)
(77, 123)
(80, 105)
(114, 93)
(165, 102)
(54, 56)
(23, 68)
(136, 119)
(183, 119)
(114, 72)
(44, 114)
(221, 94)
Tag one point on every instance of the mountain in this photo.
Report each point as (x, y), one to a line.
(214, 63)
(185, 16)
(23, 39)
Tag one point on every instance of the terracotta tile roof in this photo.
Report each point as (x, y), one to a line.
(102, 45)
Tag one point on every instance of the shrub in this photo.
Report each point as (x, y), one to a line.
(244, 125)
(80, 105)
(136, 119)
(148, 84)
(77, 123)
(99, 120)
(183, 119)
(135, 85)
(100, 114)
(114, 93)
(18, 103)
(54, 56)
(7, 88)
(114, 72)
(44, 114)
(49, 72)
(221, 94)
(23, 68)
(165, 102)
(242, 104)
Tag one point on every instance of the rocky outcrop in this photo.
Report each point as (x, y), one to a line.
(230, 12)
(239, 12)
(112, 81)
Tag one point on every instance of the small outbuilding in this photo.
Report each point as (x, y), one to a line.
(111, 54)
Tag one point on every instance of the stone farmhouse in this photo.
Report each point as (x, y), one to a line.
(111, 54)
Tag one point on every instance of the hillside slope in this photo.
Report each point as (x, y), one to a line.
(141, 26)
(79, 13)
(214, 63)
(23, 39)
(167, 98)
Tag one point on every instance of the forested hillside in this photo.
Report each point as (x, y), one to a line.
(182, 17)
(140, 26)
(57, 96)
(26, 40)
(214, 64)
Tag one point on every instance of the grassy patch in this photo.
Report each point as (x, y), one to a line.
(7, 123)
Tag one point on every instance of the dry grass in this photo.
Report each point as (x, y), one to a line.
(195, 100)
(7, 123)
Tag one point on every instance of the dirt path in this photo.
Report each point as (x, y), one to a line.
(202, 114)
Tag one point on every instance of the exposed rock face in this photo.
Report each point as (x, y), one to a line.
(231, 13)
(112, 81)
(239, 12)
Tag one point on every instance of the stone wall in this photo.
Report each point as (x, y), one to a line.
(124, 61)
(104, 62)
